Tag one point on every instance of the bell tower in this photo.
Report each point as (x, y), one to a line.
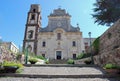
(33, 25)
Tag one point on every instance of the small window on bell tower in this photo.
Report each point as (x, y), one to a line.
(33, 17)
(43, 44)
(30, 34)
(34, 10)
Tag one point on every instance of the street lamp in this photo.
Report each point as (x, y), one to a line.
(91, 48)
(30, 34)
(26, 55)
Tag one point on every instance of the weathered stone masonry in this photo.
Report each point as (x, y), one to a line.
(109, 51)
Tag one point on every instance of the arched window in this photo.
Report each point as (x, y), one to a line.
(58, 36)
(33, 17)
(43, 44)
(74, 43)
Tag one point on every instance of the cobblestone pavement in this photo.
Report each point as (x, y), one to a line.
(61, 70)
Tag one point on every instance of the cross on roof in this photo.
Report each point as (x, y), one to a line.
(77, 25)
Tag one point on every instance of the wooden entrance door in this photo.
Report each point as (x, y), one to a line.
(58, 54)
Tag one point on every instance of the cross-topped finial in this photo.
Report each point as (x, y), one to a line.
(77, 25)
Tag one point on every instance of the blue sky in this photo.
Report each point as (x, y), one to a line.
(13, 16)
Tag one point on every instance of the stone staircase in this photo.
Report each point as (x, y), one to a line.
(61, 72)
(55, 61)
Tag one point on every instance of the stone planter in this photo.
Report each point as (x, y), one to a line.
(32, 62)
(1, 69)
(10, 69)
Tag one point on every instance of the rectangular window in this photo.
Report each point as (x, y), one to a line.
(74, 43)
(44, 44)
(74, 56)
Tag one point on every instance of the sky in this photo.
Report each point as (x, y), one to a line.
(13, 17)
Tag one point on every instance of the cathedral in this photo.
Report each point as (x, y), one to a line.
(58, 40)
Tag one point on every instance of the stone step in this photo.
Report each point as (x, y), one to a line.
(54, 61)
(60, 76)
(57, 71)
(56, 79)
(60, 65)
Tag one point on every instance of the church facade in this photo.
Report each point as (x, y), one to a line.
(58, 40)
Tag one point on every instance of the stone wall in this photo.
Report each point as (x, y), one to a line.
(109, 51)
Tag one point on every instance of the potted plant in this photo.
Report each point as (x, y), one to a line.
(33, 60)
(112, 68)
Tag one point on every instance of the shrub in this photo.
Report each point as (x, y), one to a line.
(83, 55)
(33, 60)
(96, 44)
(11, 67)
(111, 66)
(7, 63)
(40, 57)
(47, 61)
(80, 56)
(70, 61)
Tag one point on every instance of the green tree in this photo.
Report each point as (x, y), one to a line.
(95, 45)
(106, 12)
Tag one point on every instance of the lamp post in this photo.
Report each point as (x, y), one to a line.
(26, 50)
(26, 57)
(92, 62)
